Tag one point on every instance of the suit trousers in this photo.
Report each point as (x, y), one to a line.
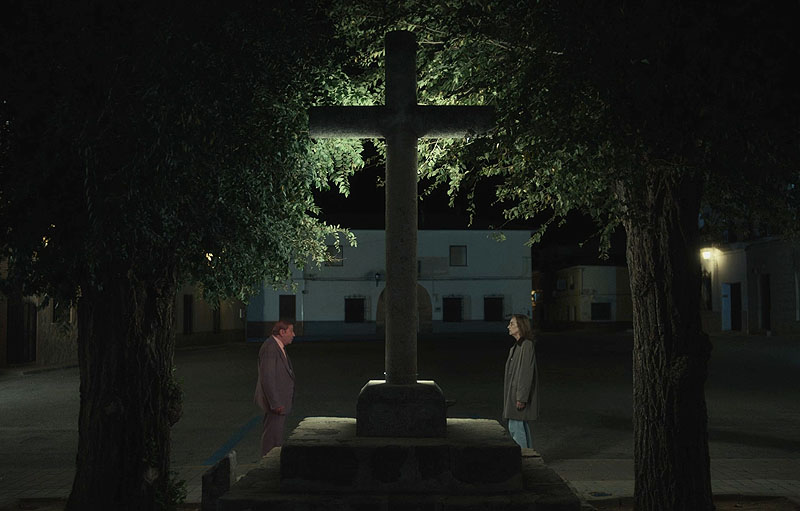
(272, 436)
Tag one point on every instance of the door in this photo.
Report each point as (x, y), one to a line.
(726, 306)
(493, 308)
(287, 307)
(21, 332)
(766, 302)
(354, 310)
(736, 306)
(451, 309)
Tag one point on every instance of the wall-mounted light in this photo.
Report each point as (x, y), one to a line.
(706, 253)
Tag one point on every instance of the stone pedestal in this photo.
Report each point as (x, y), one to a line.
(409, 410)
(325, 454)
(325, 465)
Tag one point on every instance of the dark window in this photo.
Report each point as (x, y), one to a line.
(766, 302)
(188, 313)
(451, 309)
(493, 308)
(458, 255)
(287, 307)
(354, 310)
(705, 290)
(601, 311)
(21, 331)
(736, 306)
(60, 312)
(217, 319)
(335, 256)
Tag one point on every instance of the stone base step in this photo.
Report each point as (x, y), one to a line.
(324, 454)
(265, 488)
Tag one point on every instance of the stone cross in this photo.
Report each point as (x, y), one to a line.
(400, 122)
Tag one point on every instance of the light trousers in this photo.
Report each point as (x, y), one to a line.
(521, 432)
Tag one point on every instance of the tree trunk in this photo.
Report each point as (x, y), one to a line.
(129, 399)
(671, 352)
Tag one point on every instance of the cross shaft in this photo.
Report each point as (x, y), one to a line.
(400, 122)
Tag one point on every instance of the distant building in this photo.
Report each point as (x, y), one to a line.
(467, 281)
(32, 332)
(198, 323)
(573, 287)
(751, 287)
(590, 295)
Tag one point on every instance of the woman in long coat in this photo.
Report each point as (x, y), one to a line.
(521, 383)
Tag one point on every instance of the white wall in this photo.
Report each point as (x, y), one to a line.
(727, 266)
(493, 269)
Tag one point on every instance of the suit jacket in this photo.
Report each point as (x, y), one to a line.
(275, 386)
(521, 382)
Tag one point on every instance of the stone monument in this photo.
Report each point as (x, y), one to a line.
(400, 406)
(400, 452)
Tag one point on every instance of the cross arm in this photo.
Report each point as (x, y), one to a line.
(345, 121)
(453, 121)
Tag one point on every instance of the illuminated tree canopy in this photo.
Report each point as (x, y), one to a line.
(144, 146)
(640, 115)
(589, 95)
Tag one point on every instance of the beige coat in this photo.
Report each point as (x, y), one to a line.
(521, 382)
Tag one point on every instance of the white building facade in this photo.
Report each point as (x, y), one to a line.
(752, 287)
(468, 281)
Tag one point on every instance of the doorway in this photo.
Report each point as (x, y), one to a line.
(287, 308)
(765, 311)
(731, 302)
(736, 306)
(21, 333)
(354, 310)
(452, 309)
(493, 308)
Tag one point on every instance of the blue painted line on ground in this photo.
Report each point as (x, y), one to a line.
(232, 441)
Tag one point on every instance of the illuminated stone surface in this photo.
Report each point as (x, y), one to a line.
(324, 465)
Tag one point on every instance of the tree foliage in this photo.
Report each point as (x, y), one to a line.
(165, 134)
(589, 93)
(635, 114)
(146, 144)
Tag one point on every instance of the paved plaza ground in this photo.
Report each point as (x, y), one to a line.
(584, 431)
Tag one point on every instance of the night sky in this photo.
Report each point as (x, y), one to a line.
(364, 209)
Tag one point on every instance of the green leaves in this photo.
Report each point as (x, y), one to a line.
(588, 96)
(187, 134)
(184, 134)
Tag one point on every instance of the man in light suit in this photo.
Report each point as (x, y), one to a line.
(275, 386)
